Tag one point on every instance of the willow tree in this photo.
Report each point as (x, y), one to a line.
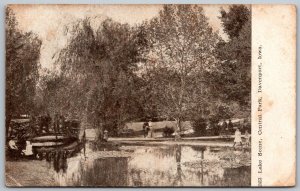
(181, 51)
(99, 65)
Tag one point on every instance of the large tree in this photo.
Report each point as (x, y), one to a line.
(22, 68)
(181, 53)
(235, 55)
(98, 82)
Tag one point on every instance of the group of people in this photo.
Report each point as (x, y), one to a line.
(44, 124)
(148, 129)
(230, 127)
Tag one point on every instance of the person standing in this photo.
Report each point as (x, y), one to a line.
(237, 138)
(145, 129)
(150, 133)
(247, 137)
(225, 128)
(28, 149)
(230, 126)
(105, 135)
(224, 125)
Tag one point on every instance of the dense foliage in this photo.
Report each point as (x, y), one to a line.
(174, 66)
(22, 68)
(180, 55)
(97, 81)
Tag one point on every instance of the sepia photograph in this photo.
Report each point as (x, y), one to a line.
(128, 95)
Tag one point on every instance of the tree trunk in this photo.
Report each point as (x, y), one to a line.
(178, 129)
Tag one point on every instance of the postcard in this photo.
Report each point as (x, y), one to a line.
(132, 95)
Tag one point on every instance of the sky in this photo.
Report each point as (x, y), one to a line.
(48, 21)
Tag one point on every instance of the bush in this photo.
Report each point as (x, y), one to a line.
(213, 123)
(199, 126)
(168, 131)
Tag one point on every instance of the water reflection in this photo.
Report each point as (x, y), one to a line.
(106, 172)
(60, 161)
(150, 166)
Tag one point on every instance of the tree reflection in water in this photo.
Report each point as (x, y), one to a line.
(201, 171)
(106, 172)
(60, 161)
(150, 166)
(178, 179)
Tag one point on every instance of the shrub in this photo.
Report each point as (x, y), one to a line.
(199, 126)
(168, 131)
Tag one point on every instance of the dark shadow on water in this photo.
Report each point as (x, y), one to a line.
(106, 172)
(59, 161)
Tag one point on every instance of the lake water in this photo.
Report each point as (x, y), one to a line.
(169, 166)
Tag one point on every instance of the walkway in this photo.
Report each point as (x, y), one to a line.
(199, 141)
